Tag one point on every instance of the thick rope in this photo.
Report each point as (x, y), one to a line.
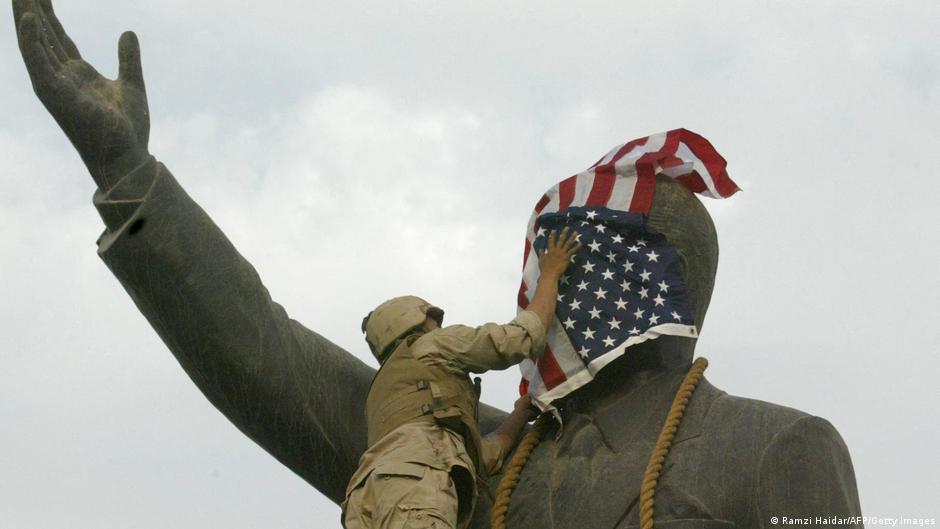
(664, 443)
(648, 489)
(514, 468)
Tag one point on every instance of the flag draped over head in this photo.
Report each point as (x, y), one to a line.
(625, 285)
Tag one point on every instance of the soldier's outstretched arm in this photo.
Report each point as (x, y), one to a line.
(292, 391)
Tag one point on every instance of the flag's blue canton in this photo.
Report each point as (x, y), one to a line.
(624, 280)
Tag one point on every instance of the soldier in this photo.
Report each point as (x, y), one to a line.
(425, 451)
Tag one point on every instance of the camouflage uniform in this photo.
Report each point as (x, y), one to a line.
(412, 475)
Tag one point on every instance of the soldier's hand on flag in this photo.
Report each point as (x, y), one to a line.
(556, 257)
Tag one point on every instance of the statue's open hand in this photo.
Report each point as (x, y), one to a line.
(107, 121)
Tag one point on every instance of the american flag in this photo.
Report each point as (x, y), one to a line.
(625, 284)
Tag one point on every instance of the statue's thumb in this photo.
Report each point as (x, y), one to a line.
(129, 68)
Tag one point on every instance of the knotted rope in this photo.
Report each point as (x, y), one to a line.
(653, 470)
(514, 468)
(664, 443)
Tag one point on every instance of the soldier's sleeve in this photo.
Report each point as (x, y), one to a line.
(806, 474)
(491, 346)
(290, 390)
(492, 454)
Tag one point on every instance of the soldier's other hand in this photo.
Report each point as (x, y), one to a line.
(524, 405)
(106, 120)
(556, 257)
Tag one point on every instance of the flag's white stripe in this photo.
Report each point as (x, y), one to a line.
(686, 154)
(582, 188)
(530, 372)
(653, 144)
(622, 194)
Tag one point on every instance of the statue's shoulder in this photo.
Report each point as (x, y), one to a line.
(762, 423)
(739, 445)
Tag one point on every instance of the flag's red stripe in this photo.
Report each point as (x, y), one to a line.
(627, 147)
(604, 178)
(523, 386)
(645, 185)
(713, 161)
(566, 192)
(521, 300)
(541, 204)
(551, 372)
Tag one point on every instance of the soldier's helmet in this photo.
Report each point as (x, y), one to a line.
(394, 319)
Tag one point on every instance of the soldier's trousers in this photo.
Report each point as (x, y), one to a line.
(399, 495)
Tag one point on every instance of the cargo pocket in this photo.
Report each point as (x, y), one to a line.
(385, 471)
(422, 519)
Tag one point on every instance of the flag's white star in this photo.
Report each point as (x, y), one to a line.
(569, 323)
(641, 242)
(561, 298)
(564, 280)
(612, 257)
(577, 238)
(575, 304)
(639, 313)
(607, 274)
(595, 246)
(654, 319)
(595, 313)
(628, 266)
(653, 256)
(609, 342)
(645, 275)
(625, 285)
(588, 267)
(600, 228)
(634, 331)
(633, 248)
(584, 223)
(644, 293)
(600, 293)
(588, 334)
(663, 286)
(540, 233)
(621, 304)
(582, 286)
(659, 300)
(614, 323)
(675, 316)
(617, 238)
(591, 215)
(583, 352)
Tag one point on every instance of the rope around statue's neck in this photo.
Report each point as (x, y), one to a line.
(653, 470)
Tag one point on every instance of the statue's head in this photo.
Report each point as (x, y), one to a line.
(396, 318)
(679, 215)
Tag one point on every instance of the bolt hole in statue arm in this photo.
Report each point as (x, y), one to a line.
(277, 381)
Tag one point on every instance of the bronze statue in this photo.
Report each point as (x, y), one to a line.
(735, 462)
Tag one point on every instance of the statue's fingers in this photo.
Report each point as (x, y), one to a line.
(41, 70)
(130, 69)
(51, 45)
(20, 8)
(66, 45)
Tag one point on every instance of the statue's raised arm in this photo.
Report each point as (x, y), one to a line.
(292, 391)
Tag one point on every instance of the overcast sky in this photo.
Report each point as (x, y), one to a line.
(354, 151)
